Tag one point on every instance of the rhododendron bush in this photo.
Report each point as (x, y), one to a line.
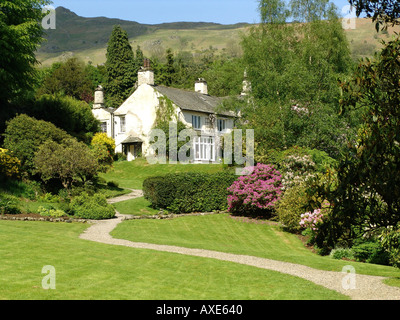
(255, 193)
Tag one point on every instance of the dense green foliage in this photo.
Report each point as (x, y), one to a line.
(366, 192)
(21, 33)
(68, 161)
(70, 78)
(121, 73)
(95, 207)
(24, 135)
(189, 192)
(298, 103)
(67, 113)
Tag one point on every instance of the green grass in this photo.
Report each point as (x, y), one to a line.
(137, 207)
(223, 233)
(87, 270)
(131, 174)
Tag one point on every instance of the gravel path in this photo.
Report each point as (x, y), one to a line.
(356, 286)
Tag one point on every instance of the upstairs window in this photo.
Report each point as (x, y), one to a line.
(196, 122)
(122, 124)
(221, 123)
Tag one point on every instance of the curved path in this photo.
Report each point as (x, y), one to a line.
(356, 286)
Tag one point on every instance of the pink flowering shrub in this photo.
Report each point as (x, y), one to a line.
(255, 193)
(311, 220)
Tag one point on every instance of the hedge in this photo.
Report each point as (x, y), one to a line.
(189, 192)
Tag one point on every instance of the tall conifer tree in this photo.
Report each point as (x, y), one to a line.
(120, 68)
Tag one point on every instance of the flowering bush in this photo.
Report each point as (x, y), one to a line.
(311, 220)
(10, 166)
(297, 169)
(256, 193)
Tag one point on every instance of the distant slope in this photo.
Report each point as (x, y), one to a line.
(86, 38)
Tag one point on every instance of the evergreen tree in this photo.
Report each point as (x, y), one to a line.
(139, 58)
(120, 68)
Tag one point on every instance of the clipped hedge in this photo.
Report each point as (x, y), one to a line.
(189, 192)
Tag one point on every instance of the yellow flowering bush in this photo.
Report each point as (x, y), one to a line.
(104, 150)
(9, 165)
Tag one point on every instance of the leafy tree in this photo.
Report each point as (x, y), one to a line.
(69, 161)
(371, 170)
(366, 193)
(67, 113)
(273, 11)
(97, 75)
(21, 33)
(120, 68)
(24, 135)
(69, 78)
(225, 77)
(293, 71)
(311, 10)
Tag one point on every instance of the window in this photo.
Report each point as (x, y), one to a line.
(204, 148)
(196, 122)
(221, 123)
(103, 127)
(123, 124)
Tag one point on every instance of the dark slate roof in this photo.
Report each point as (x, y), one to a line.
(193, 101)
(131, 139)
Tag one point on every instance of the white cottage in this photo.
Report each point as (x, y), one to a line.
(131, 123)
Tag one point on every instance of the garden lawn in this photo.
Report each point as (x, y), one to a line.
(131, 174)
(137, 207)
(221, 232)
(89, 270)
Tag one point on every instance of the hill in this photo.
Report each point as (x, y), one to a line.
(86, 38)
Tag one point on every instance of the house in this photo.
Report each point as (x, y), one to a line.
(131, 123)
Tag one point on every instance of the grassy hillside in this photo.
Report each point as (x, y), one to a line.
(364, 40)
(86, 38)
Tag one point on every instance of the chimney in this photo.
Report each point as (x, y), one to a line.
(201, 86)
(98, 98)
(146, 74)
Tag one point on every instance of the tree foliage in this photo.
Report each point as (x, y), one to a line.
(69, 161)
(21, 33)
(121, 73)
(293, 70)
(366, 193)
(67, 113)
(70, 78)
(24, 135)
(374, 166)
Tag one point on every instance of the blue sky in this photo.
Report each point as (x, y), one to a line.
(158, 11)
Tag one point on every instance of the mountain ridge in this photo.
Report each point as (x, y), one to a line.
(68, 35)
